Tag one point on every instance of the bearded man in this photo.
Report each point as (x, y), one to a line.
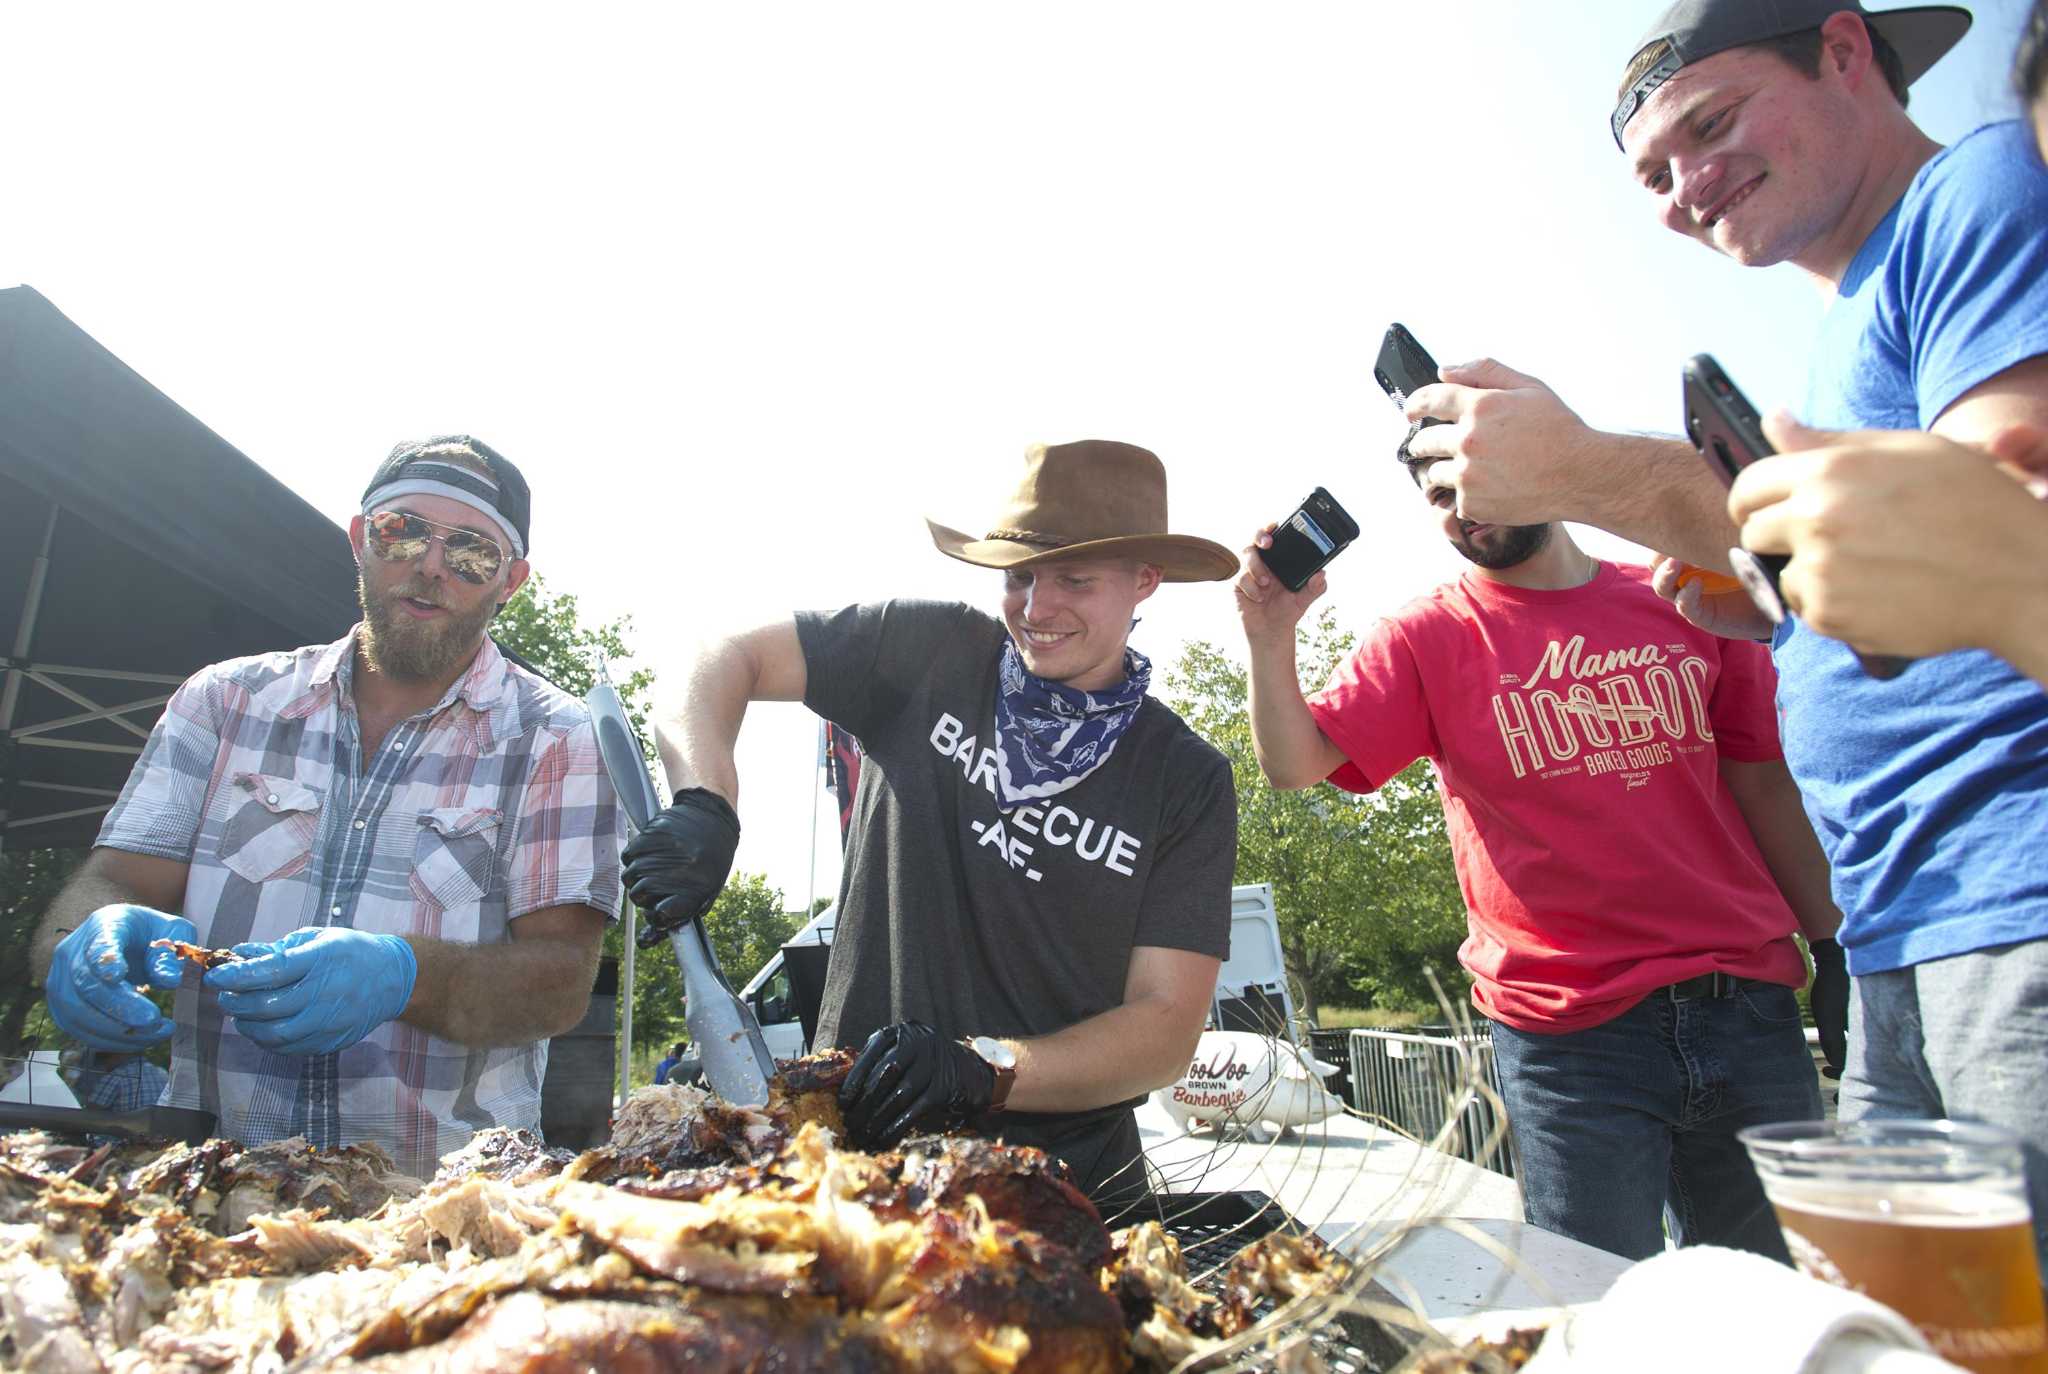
(408, 839)
(1631, 850)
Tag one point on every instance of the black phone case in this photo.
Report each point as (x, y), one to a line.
(1295, 557)
(1729, 434)
(1402, 368)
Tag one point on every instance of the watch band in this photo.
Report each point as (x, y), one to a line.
(1006, 1077)
(1002, 1062)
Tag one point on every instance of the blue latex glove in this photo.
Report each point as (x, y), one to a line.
(316, 991)
(91, 987)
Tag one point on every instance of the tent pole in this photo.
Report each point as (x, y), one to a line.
(17, 667)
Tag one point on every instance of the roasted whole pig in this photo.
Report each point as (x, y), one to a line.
(702, 1237)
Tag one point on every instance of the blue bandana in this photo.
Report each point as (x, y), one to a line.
(1050, 736)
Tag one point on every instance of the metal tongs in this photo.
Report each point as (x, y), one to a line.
(737, 1064)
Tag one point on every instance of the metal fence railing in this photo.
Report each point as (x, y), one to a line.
(1412, 1079)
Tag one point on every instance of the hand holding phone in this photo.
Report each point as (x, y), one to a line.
(1725, 428)
(1303, 543)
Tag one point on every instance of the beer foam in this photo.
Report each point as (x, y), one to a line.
(1907, 1204)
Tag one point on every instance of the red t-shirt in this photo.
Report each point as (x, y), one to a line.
(1576, 736)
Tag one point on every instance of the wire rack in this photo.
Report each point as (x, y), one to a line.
(1374, 1323)
(1212, 1227)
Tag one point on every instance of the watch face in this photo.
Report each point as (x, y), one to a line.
(994, 1051)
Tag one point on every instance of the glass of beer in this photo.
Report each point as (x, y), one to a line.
(1929, 1218)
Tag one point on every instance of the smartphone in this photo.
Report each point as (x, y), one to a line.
(1729, 434)
(1403, 368)
(1317, 531)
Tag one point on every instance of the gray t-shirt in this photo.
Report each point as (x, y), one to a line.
(982, 921)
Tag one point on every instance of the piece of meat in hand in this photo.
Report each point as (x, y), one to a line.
(197, 955)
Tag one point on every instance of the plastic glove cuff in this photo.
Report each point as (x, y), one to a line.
(408, 965)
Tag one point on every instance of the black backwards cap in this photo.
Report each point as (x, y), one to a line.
(433, 466)
(1921, 35)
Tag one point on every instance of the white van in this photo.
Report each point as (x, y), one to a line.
(1251, 988)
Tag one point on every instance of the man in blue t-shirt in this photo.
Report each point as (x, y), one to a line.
(1888, 529)
(668, 1065)
(1778, 133)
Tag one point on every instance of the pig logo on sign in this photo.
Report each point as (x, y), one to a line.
(1239, 1079)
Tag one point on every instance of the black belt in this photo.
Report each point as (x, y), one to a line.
(1716, 984)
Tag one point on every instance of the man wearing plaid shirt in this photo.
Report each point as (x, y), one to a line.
(409, 840)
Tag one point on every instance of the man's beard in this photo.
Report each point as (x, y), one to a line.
(1512, 544)
(417, 650)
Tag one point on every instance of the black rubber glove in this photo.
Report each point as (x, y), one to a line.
(910, 1076)
(1829, 998)
(678, 865)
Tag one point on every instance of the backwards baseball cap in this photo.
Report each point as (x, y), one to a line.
(1920, 34)
(437, 467)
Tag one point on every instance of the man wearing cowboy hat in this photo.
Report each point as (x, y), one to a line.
(1036, 896)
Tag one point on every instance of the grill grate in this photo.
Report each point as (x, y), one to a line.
(1212, 1227)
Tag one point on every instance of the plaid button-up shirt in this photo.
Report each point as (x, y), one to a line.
(490, 805)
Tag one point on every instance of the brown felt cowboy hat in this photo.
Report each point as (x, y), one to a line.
(1092, 499)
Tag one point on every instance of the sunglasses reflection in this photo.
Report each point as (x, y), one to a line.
(402, 537)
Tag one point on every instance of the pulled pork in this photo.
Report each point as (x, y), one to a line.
(702, 1236)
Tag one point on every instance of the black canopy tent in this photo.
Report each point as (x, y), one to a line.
(136, 546)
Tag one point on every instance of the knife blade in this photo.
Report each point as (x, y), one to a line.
(736, 1060)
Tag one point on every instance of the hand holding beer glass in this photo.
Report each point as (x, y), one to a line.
(1929, 1218)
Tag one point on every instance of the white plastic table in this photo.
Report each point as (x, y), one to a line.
(1356, 1183)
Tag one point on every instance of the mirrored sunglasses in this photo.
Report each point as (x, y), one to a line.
(397, 536)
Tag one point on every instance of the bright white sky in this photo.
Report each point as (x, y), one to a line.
(747, 290)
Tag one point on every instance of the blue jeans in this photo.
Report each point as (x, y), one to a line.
(1963, 1037)
(1613, 1123)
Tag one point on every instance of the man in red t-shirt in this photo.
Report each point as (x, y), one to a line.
(1633, 855)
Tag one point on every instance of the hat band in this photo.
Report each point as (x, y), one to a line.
(476, 497)
(1043, 541)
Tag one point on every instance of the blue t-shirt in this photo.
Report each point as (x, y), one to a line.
(1930, 791)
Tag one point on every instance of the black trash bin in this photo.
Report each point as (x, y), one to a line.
(576, 1095)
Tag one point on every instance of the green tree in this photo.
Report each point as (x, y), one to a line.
(747, 925)
(1362, 885)
(543, 628)
(29, 879)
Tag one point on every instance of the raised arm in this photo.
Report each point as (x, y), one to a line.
(697, 727)
(1518, 455)
(676, 868)
(1292, 750)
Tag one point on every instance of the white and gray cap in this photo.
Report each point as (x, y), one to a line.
(430, 467)
(1920, 34)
